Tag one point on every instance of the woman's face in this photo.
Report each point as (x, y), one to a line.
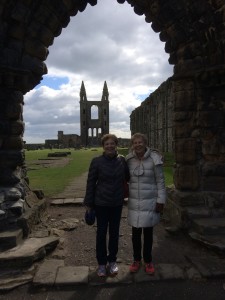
(139, 146)
(110, 147)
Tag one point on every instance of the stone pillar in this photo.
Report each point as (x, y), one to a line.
(199, 147)
(186, 173)
(12, 170)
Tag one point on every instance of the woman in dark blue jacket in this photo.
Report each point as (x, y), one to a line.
(105, 193)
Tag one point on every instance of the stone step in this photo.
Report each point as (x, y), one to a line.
(209, 226)
(10, 238)
(28, 252)
(213, 242)
(204, 212)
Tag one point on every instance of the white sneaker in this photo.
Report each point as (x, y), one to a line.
(101, 271)
(113, 268)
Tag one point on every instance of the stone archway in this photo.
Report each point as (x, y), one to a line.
(193, 32)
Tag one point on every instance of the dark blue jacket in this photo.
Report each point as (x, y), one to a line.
(105, 183)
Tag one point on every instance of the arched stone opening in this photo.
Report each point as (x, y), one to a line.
(193, 32)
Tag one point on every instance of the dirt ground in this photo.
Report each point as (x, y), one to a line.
(77, 243)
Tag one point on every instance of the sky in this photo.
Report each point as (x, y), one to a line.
(106, 42)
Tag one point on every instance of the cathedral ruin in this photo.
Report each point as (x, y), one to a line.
(92, 129)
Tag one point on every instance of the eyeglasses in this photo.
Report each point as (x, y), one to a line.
(139, 170)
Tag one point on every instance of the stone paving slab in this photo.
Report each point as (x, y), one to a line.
(210, 267)
(193, 274)
(170, 271)
(71, 275)
(67, 201)
(210, 225)
(53, 272)
(78, 201)
(46, 273)
(57, 202)
(215, 241)
(123, 277)
(142, 276)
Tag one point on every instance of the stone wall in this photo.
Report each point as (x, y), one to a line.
(154, 118)
(68, 140)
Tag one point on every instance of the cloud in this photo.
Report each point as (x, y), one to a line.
(107, 42)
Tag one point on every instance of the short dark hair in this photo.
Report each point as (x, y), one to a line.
(109, 136)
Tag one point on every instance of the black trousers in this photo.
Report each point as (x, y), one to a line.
(147, 243)
(107, 218)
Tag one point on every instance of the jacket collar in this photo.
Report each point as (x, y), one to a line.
(132, 154)
(110, 157)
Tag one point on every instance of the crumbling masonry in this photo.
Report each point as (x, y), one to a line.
(93, 129)
(154, 118)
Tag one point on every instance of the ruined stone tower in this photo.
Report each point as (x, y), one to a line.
(91, 130)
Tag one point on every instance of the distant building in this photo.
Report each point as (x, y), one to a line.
(64, 141)
(124, 142)
(92, 129)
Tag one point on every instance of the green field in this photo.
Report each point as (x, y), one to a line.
(53, 179)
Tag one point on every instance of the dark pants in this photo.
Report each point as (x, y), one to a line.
(107, 217)
(147, 245)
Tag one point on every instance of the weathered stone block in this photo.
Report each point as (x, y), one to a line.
(181, 85)
(17, 31)
(213, 183)
(186, 177)
(8, 177)
(183, 129)
(36, 49)
(4, 127)
(211, 118)
(12, 158)
(14, 111)
(183, 198)
(12, 194)
(46, 37)
(32, 216)
(17, 128)
(185, 151)
(183, 115)
(184, 100)
(13, 143)
(10, 238)
(210, 147)
(213, 169)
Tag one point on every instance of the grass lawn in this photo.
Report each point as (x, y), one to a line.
(53, 180)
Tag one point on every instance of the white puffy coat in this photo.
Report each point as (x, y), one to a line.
(146, 188)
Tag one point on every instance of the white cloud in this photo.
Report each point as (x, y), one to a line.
(107, 42)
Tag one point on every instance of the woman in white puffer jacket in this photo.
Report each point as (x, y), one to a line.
(147, 196)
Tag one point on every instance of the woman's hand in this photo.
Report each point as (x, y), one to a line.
(159, 207)
(88, 208)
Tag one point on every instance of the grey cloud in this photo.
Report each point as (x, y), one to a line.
(107, 42)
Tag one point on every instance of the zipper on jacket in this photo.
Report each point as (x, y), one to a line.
(140, 161)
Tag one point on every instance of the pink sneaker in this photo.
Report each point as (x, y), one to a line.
(149, 268)
(135, 266)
